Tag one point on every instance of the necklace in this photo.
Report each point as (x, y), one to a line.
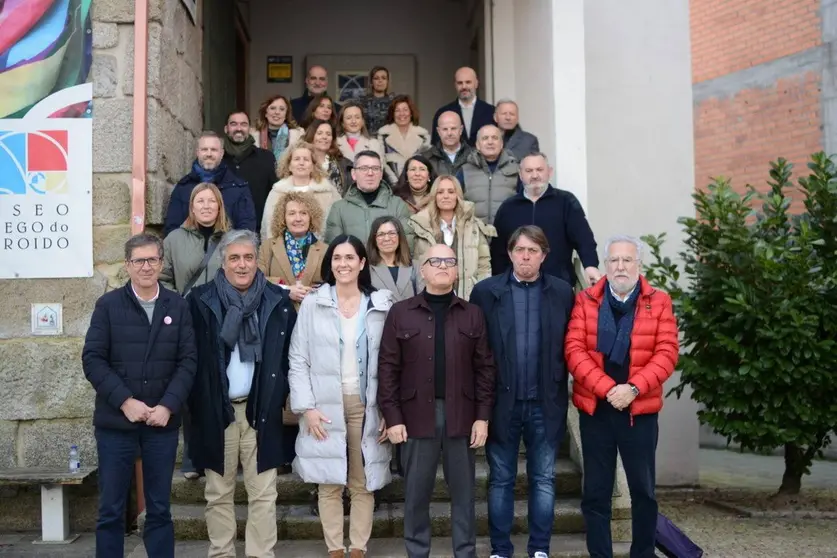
(348, 307)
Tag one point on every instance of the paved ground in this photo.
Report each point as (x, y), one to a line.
(743, 470)
(721, 534)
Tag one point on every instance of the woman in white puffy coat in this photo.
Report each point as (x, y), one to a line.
(333, 377)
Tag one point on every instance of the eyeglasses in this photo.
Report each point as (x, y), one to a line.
(437, 262)
(616, 260)
(368, 170)
(384, 234)
(139, 263)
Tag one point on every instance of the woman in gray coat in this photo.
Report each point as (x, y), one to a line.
(333, 377)
(389, 259)
(190, 259)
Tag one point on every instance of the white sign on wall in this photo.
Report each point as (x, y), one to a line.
(46, 207)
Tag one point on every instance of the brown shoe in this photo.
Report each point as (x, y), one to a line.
(356, 553)
(336, 554)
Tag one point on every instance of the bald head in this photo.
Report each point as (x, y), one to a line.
(466, 84)
(449, 128)
(438, 269)
(490, 142)
(317, 80)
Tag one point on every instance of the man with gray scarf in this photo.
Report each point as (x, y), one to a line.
(243, 328)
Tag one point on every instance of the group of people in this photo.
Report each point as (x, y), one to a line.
(378, 303)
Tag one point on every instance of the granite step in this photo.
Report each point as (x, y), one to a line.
(291, 489)
(295, 522)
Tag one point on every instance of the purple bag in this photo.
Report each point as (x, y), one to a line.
(672, 542)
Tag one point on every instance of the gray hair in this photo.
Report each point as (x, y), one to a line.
(212, 134)
(237, 236)
(140, 240)
(536, 154)
(506, 101)
(640, 245)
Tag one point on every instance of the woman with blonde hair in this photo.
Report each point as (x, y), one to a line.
(190, 259)
(378, 99)
(448, 218)
(275, 127)
(402, 137)
(321, 107)
(298, 173)
(352, 134)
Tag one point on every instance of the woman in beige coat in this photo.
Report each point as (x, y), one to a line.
(448, 218)
(298, 173)
(402, 137)
(352, 135)
(275, 127)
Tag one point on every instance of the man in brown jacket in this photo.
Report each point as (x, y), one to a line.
(436, 392)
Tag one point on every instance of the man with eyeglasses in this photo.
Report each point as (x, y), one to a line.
(436, 392)
(557, 212)
(621, 347)
(526, 313)
(139, 354)
(367, 199)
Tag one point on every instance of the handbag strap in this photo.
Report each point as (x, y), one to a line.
(202, 267)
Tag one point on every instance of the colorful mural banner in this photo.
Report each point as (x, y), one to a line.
(46, 139)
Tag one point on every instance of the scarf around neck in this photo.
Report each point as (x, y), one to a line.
(209, 175)
(241, 325)
(239, 151)
(614, 340)
(295, 249)
(276, 140)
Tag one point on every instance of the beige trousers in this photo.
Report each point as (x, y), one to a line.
(260, 534)
(362, 501)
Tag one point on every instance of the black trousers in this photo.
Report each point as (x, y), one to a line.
(420, 459)
(602, 434)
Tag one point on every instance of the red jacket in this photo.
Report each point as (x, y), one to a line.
(653, 353)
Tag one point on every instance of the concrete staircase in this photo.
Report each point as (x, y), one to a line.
(295, 522)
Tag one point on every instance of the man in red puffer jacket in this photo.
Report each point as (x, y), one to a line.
(621, 346)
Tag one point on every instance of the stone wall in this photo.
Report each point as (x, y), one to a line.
(46, 403)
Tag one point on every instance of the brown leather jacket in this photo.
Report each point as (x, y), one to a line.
(406, 390)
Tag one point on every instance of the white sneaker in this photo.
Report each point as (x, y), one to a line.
(495, 556)
(540, 555)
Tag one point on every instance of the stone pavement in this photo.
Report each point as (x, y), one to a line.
(731, 469)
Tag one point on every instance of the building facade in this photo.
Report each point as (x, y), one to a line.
(603, 84)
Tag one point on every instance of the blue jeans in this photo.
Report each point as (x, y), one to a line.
(527, 419)
(117, 452)
(602, 434)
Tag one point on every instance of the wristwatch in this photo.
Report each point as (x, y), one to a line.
(635, 390)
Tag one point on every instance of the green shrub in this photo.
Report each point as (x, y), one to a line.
(758, 312)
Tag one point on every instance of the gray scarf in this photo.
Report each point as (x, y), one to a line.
(240, 324)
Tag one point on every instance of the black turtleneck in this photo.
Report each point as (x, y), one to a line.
(439, 304)
(206, 233)
(369, 197)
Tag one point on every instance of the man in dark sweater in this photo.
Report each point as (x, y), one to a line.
(139, 354)
(526, 314)
(254, 165)
(557, 212)
(436, 391)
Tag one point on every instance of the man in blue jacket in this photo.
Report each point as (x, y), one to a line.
(526, 313)
(140, 356)
(243, 326)
(557, 212)
(209, 166)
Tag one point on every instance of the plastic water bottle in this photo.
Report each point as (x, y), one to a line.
(75, 464)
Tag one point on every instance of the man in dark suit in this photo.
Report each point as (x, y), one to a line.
(139, 354)
(436, 382)
(475, 113)
(316, 82)
(517, 141)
